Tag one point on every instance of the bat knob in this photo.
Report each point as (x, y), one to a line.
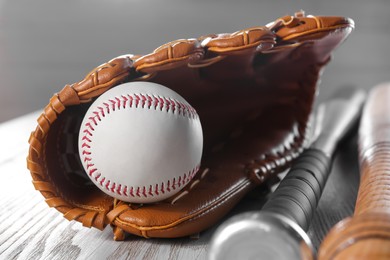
(365, 236)
(263, 235)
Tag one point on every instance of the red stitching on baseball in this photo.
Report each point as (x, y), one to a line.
(85, 145)
(113, 103)
(107, 107)
(92, 171)
(144, 191)
(135, 101)
(86, 131)
(92, 118)
(90, 126)
(161, 101)
(169, 186)
(118, 102)
(87, 159)
(118, 190)
(85, 138)
(131, 100)
(125, 101)
(96, 113)
(101, 110)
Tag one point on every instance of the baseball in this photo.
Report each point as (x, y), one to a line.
(140, 142)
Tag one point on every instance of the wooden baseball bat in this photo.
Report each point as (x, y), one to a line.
(366, 235)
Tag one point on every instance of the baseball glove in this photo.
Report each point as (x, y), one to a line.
(253, 90)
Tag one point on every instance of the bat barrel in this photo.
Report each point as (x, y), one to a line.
(367, 234)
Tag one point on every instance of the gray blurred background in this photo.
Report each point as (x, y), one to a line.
(45, 44)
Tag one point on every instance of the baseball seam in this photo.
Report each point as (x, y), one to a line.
(144, 101)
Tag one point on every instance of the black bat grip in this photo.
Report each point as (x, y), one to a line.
(298, 193)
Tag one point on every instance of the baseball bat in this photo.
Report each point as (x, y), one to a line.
(366, 235)
(278, 230)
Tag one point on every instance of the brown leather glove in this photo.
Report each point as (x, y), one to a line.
(253, 90)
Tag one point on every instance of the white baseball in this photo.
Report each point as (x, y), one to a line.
(140, 142)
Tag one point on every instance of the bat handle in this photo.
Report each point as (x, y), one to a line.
(374, 189)
(298, 193)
